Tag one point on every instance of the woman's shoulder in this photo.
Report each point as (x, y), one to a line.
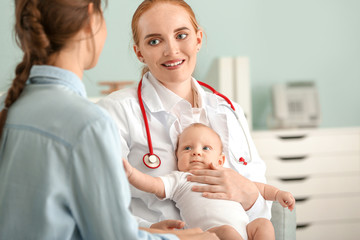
(80, 111)
(56, 112)
(85, 118)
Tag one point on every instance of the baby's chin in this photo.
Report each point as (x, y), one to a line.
(199, 167)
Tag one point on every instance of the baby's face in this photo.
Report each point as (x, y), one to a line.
(199, 147)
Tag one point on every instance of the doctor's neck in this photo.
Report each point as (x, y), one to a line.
(182, 89)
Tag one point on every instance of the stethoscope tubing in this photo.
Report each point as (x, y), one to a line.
(148, 135)
(217, 93)
(150, 155)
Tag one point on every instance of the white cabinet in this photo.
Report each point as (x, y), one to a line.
(321, 167)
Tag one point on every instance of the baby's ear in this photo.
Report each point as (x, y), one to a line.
(221, 160)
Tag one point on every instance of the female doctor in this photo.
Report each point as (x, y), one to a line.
(150, 116)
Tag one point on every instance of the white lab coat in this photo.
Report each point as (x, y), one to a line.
(167, 115)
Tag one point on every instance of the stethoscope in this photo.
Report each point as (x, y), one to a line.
(151, 160)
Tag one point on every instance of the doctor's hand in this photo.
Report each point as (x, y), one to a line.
(225, 183)
(169, 225)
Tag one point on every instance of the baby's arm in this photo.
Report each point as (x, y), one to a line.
(272, 193)
(143, 181)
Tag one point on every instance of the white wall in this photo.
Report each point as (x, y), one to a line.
(284, 39)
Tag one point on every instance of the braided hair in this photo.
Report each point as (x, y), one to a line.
(42, 29)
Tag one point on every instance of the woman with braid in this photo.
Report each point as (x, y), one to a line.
(61, 175)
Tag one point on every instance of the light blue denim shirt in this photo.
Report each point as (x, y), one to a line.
(61, 173)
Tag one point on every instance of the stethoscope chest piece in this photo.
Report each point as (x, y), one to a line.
(151, 160)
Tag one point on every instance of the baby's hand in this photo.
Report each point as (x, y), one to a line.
(286, 199)
(127, 167)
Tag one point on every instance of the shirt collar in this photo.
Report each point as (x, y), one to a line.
(206, 98)
(197, 96)
(159, 98)
(45, 74)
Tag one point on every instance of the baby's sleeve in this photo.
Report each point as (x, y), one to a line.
(172, 182)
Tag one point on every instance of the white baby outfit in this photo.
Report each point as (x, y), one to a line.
(198, 211)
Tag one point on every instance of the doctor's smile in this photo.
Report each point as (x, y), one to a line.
(173, 64)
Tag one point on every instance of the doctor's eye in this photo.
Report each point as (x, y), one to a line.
(154, 42)
(182, 36)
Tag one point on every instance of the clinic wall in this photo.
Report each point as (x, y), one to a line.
(284, 40)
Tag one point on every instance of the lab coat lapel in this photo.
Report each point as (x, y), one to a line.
(157, 110)
(218, 122)
(151, 100)
(218, 119)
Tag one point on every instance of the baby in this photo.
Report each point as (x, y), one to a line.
(198, 147)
